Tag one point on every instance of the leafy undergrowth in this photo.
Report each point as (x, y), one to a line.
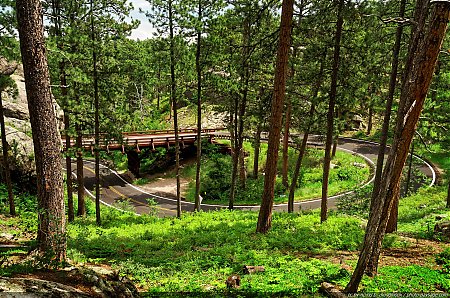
(409, 279)
(419, 213)
(348, 172)
(198, 252)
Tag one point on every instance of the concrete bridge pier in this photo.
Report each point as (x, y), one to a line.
(134, 162)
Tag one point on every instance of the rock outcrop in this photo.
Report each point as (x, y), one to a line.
(18, 127)
(442, 229)
(71, 283)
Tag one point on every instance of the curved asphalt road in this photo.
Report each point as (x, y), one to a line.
(116, 189)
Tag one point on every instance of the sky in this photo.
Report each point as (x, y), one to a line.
(145, 29)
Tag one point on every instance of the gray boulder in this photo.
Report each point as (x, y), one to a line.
(28, 287)
(18, 127)
(443, 229)
(16, 110)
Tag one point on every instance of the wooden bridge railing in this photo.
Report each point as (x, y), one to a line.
(141, 139)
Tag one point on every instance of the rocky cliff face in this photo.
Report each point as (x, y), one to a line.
(18, 127)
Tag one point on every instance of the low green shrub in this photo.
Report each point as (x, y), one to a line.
(410, 279)
(417, 213)
(444, 259)
(24, 202)
(198, 252)
(216, 177)
(357, 203)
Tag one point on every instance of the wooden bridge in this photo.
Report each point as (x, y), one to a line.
(132, 142)
(143, 139)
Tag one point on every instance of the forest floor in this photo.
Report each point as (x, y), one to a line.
(421, 253)
(199, 251)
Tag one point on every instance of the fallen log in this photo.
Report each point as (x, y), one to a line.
(331, 291)
(253, 269)
(6, 247)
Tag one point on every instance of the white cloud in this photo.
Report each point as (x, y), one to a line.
(144, 4)
(145, 29)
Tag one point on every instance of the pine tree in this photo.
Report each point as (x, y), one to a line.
(265, 213)
(166, 16)
(331, 111)
(7, 52)
(51, 218)
(423, 52)
(6, 69)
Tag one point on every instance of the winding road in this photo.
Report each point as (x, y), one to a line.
(116, 189)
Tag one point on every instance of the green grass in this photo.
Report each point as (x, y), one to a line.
(417, 213)
(216, 177)
(141, 181)
(408, 279)
(199, 251)
(441, 159)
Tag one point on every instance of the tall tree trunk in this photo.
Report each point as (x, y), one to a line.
(175, 107)
(434, 94)
(242, 168)
(6, 69)
(420, 16)
(257, 151)
(335, 144)
(373, 262)
(240, 109)
(389, 101)
(80, 173)
(409, 174)
(235, 152)
(370, 122)
(298, 165)
(448, 194)
(302, 152)
(330, 117)
(265, 212)
(69, 183)
(47, 142)
(287, 123)
(199, 108)
(57, 30)
(158, 91)
(6, 170)
(245, 77)
(391, 226)
(96, 118)
(423, 54)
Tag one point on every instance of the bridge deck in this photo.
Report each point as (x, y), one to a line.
(143, 139)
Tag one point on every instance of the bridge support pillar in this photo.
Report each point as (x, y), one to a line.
(134, 162)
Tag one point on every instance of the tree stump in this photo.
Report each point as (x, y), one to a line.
(233, 282)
